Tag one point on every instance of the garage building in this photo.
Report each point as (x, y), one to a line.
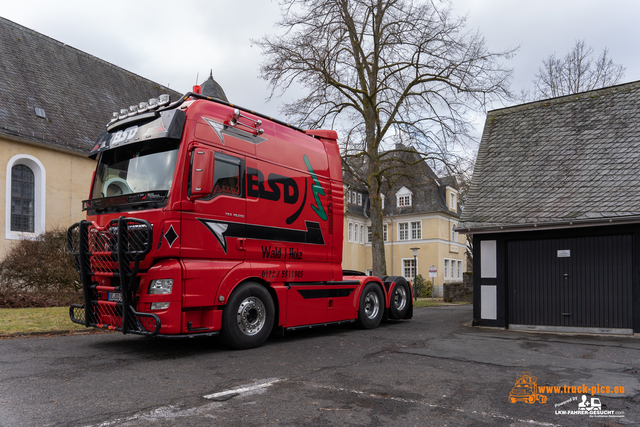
(554, 209)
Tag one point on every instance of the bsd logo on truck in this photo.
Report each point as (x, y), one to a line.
(270, 189)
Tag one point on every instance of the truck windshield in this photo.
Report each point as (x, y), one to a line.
(136, 168)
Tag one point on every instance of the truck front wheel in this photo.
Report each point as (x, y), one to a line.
(371, 307)
(248, 318)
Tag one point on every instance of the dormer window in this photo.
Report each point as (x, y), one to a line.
(404, 197)
(359, 199)
(452, 199)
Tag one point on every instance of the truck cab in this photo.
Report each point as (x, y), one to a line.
(205, 217)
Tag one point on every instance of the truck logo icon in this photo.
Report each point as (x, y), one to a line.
(526, 390)
(594, 405)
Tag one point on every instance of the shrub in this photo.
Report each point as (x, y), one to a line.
(40, 265)
(424, 288)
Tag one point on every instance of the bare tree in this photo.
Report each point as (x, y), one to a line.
(383, 71)
(578, 71)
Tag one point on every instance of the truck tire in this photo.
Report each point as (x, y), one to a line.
(248, 317)
(400, 299)
(371, 308)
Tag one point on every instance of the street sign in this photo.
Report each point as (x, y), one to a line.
(433, 271)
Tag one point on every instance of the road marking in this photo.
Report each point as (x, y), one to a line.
(250, 388)
(171, 412)
(431, 405)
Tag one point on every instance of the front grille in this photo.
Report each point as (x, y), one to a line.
(114, 250)
(107, 249)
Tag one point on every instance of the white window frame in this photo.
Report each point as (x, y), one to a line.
(404, 201)
(416, 230)
(369, 272)
(403, 234)
(447, 269)
(355, 233)
(385, 233)
(361, 234)
(350, 234)
(454, 233)
(459, 269)
(39, 196)
(348, 196)
(359, 199)
(412, 269)
(403, 197)
(453, 200)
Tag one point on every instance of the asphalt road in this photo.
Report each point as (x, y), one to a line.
(434, 370)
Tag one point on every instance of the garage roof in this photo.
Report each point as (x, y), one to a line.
(572, 160)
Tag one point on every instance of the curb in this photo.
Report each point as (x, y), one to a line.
(54, 332)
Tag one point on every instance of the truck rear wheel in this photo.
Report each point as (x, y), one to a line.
(400, 299)
(371, 307)
(248, 318)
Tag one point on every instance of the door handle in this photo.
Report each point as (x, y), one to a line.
(240, 244)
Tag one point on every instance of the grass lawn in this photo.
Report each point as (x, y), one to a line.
(436, 302)
(21, 320)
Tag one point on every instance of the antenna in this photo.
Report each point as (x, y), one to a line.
(197, 75)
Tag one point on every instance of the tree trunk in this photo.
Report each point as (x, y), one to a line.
(378, 256)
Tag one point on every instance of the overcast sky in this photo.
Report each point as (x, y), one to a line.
(173, 42)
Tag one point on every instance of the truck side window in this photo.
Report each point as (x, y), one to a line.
(227, 178)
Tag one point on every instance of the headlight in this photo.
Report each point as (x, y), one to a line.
(159, 305)
(160, 286)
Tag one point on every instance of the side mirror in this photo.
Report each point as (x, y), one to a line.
(201, 173)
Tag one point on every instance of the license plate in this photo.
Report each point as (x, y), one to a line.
(114, 296)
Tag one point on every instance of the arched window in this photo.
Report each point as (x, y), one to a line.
(22, 199)
(25, 197)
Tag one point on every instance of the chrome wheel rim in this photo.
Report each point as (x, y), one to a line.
(371, 305)
(400, 298)
(251, 316)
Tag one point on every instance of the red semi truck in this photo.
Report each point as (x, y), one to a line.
(207, 218)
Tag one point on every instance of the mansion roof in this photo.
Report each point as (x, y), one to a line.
(427, 191)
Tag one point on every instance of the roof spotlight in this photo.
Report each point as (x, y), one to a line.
(164, 99)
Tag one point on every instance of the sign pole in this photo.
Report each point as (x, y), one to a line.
(433, 273)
